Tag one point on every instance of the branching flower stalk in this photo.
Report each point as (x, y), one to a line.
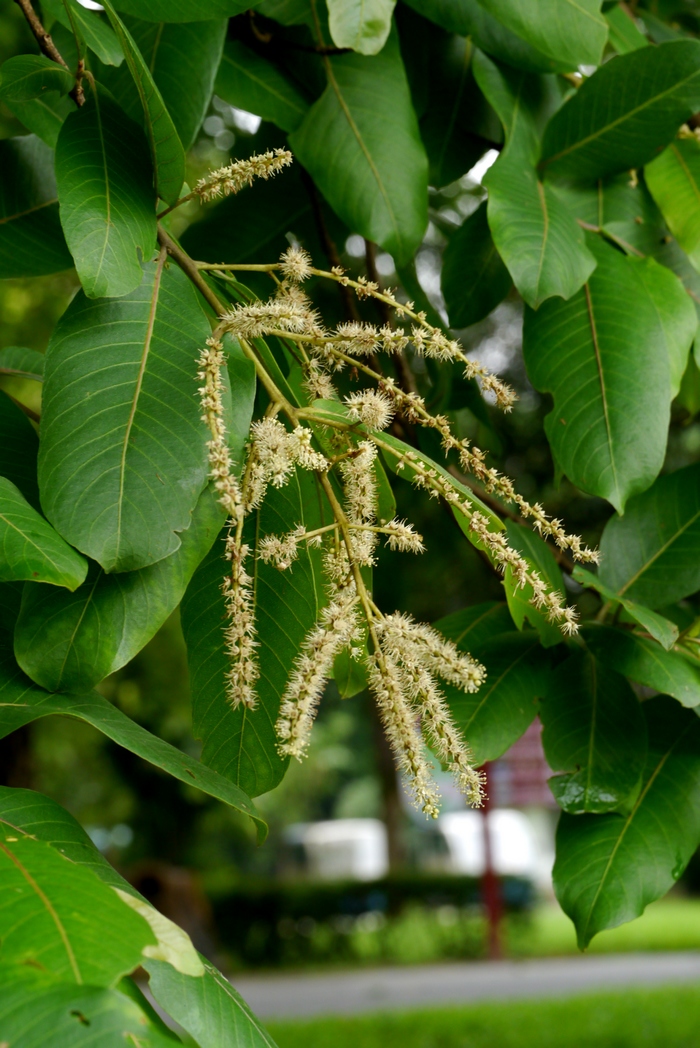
(403, 659)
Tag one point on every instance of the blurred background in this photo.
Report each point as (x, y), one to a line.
(351, 875)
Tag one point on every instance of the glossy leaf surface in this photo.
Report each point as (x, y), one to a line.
(42, 116)
(474, 278)
(643, 661)
(123, 372)
(107, 201)
(167, 154)
(606, 356)
(31, 76)
(29, 546)
(368, 159)
(248, 81)
(537, 238)
(674, 182)
(572, 32)
(595, 731)
(89, 26)
(610, 867)
(625, 113)
(652, 554)
(31, 238)
(661, 629)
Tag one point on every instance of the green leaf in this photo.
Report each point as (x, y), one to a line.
(595, 731)
(474, 278)
(22, 363)
(208, 1008)
(37, 1014)
(643, 661)
(540, 557)
(661, 629)
(674, 182)
(625, 113)
(89, 26)
(123, 373)
(71, 642)
(367, 158)
(625, 35)
(652, 554)
(102, 156)
(608, 357)
(349, 674)
(167, 154)
(248, 81)
(572, 32)
(469, 18)
(610, 867)
(241, 744)
(536, 236)
(43, 116)
(477, 624)
(31, 239)
(182, 60)
(19, 446)
(48, 916)
(22, 702)
(31, 76)
(362, 25)
(30, 548)
(184, 10)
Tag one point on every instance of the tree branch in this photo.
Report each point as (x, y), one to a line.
(48, 48)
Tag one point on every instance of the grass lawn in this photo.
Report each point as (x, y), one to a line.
(649, 1018)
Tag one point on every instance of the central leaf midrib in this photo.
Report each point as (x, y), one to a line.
(601, 379)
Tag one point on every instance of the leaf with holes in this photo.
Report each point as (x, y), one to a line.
(368, 159)
(29, 546)
(241, 744)
(652, 554)
(31, 238)
(536, 236)
(610, 867)
(167, 154)
(625, 113)
(107, 201)
(595, 732)
(607, 357)
(122, 459)
(22, 702)
(247, 80)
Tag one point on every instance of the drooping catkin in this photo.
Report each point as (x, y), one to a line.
(239, 631)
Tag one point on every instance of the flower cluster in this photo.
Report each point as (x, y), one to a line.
(211, 361)
(234, 177)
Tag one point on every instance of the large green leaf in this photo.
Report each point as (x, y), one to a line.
(595, 731)
(469, 18)
(660, 628)
(184, 10)
(247, 80)
(17, 361)
(18, 449)
(625, 35)
(474, 278)
(674, 181)
(625, 113)
(367, 158)
(102, 157)
(362, 25)
(607, 356)
(31, 76)
(536, 236)
(122, 459)
(36, 1013)
(167, 154)
(643, 661)
(30, 548)
(517, 675)
(208, 1008)
(652, 554)
(72, 644)
(22, 702)
(540, 557)
(42, 116)
(241, 744)
(182, 60)
(31, 239)
(572, 32)
(89, 26)
(60, 918)
(610, 867)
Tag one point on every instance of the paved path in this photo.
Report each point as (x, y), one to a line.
(353, 992)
